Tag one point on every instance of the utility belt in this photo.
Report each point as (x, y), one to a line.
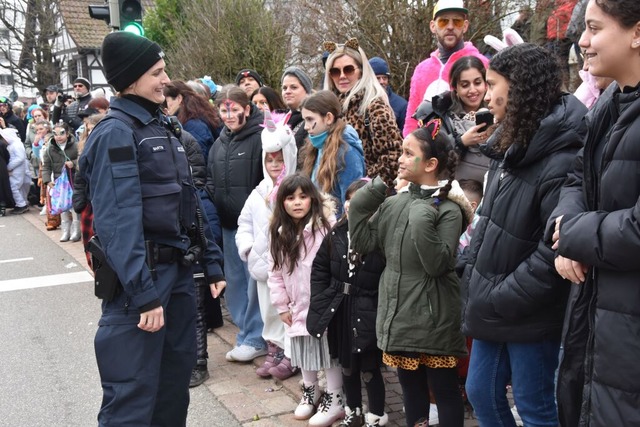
(167, 254)
(106, 282)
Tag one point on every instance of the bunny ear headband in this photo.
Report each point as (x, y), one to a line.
(510, 38)
(331, 46)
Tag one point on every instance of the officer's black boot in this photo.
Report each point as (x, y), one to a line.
(200, 373)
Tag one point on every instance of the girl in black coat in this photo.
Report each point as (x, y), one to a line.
(344, 301)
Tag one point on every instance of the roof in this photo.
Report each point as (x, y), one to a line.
(86, 32)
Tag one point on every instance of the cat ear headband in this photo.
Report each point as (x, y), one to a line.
(351, 43)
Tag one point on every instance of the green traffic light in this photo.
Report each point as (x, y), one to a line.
(135, 28)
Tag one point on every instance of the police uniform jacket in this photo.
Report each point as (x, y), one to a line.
(141, 189)
(234, 168)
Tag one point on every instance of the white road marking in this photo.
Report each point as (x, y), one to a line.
(44, 281)
(5, 261)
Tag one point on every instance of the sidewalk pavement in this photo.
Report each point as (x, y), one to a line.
(254, 401)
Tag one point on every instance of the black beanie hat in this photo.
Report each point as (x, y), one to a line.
(126, 57)
(248, 72)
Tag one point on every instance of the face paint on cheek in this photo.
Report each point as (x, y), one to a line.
(500, 101)
(241, 118)
(314, 125)
(416, 164)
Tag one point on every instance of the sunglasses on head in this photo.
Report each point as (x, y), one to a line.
(444, 22)
(347, 71)
(60, 132)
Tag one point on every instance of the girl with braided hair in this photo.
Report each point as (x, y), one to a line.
(417, 230)
(514, 300)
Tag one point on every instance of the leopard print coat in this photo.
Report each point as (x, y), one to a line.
(381, 139)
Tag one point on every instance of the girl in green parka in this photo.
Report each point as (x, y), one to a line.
(418, 323)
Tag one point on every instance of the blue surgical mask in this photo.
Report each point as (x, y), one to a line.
(318, 140)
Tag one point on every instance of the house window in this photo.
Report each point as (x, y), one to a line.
(6, 79)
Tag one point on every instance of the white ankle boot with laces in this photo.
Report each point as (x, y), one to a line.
(329, 410)
(307, 406)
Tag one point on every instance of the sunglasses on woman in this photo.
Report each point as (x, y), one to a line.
(443, 23)
(347, 71)
(60, 132)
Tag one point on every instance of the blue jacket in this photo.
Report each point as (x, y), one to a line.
(202, 133)
(352, 169)
(398, 105)
(141, 189)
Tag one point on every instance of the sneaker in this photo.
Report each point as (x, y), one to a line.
(422, 422)
(373, 420)
(516, 416)
(19, 210)
(43, 211)
(307, 406)
(433, 414)
(199, 374)
(352, 417)
(329, 410)
(245, 353)
(283, 369)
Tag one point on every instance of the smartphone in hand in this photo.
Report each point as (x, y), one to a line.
(484, 116)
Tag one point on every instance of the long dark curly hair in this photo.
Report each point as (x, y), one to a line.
(535, 84)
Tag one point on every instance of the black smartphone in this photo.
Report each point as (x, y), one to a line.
(484, 116)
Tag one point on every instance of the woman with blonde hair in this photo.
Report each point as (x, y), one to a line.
(365, 106)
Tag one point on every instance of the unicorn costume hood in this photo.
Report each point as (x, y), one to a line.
(276, 136)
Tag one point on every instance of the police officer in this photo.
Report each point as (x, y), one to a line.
(146, 217)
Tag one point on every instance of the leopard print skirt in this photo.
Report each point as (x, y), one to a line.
(412, 363)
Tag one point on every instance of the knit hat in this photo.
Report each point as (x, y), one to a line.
(449, 6)
(379, 66)
(86, 83)
(305, 81)
(126, 57)
(247, 72)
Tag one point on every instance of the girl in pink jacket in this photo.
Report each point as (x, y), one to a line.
(301, 219)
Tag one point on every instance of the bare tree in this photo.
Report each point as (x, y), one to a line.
(31, 28)
(220, 37)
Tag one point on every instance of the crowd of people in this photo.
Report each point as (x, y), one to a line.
(492, 247)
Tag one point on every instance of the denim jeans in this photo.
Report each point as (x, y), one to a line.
(241, 294)
(531, 369)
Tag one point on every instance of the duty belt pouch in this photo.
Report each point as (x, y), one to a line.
(106, 282)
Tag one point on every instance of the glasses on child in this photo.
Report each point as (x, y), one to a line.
(336, 72)
(443, 23)
(60, 132)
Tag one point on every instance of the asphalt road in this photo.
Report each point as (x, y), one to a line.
(48, 318)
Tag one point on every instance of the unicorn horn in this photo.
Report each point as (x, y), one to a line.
(268, 120)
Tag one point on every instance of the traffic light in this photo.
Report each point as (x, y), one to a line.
(131, 16)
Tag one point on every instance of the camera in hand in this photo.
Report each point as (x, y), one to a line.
(484, 116)
(63, 98)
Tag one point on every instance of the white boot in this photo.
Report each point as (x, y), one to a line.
(308, 402)
(373, 420)
(329, 410)
(66, 232)
(76, 234)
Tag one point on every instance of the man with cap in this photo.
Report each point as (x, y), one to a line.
(431, 76)
(82, 92)
(249, 80)
(50, 97)
(147, 220)
(398, 103)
